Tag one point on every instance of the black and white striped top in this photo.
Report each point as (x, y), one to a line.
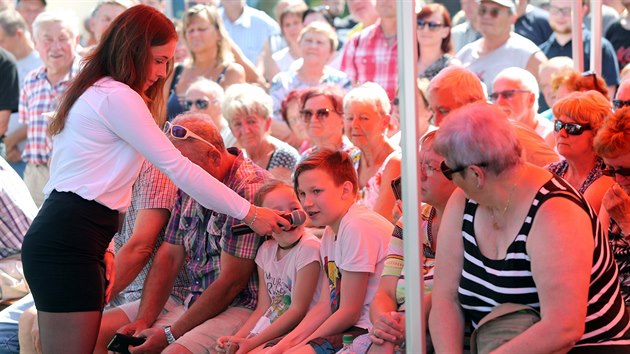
(486, 283)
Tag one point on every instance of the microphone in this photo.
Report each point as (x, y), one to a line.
(296, 218)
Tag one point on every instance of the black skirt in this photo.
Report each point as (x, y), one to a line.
(63, 253)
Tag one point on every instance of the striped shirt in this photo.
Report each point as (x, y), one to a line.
(17, 210)
(152, 190)
(369, 57)
(205, 233)
(486, 283)
(37, 97)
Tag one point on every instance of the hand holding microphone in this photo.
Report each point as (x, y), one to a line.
(295, 218)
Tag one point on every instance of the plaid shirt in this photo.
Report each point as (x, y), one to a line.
(368, 57)
(17, 210)
(152, 190)
(205, 233)
(38, 96)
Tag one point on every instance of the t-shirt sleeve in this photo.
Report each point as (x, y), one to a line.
(360, 245)
(9, 82)
(308, 253)
(129, 118)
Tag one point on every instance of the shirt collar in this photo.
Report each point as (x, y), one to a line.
(245, 19)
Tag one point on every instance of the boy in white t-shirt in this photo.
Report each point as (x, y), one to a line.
(353, 250)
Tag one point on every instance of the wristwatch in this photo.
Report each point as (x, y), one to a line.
(169, 335)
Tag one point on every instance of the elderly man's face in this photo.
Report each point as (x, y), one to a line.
(512, 99)
(55, 45)
(494, 20)
(204, 102)
(362, 10)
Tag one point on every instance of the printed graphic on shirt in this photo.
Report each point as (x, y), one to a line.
(334, 282)
(276, 286)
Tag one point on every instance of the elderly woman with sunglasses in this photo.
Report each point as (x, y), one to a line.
(434, 40)
(578, 118)
(366, 119)
(247, 109)
(321, 111)
(500, 244)
(612, 143)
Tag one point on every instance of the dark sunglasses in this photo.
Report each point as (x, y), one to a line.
(449, 172)
(181, 133)
(570, 128)
(621, 171)
(200, 103)
(395, 101)
(493, 11)
(620, 104)
(507, 94)
(433, 26)
(321, 114)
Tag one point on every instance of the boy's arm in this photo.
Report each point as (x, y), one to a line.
(350, 305)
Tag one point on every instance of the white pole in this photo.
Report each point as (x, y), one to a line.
(407, 59)
(576, 42)
(596, 36)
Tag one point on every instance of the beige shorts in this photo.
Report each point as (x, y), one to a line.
(35, 178)
(201, 339)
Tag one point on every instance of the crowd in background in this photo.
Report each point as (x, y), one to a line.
(524, 166)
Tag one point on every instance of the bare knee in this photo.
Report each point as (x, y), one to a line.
(112, 320)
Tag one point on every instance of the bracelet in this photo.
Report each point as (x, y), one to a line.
(110, 250)
(169, 335)
(254, 219)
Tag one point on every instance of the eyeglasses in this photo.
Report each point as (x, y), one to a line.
(620, 104)
(321, 114)
(433, 26)
(621, 171)
(564, 11)
(570, 128)
(507, 94)
(493, 11)
(427, 169)
(181, 133)
(199, 103)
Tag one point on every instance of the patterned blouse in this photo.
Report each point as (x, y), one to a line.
(560, 169)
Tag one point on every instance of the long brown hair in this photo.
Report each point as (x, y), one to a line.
(124, 53)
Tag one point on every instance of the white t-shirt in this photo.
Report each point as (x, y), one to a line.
(280, 275)
(99, 153)
(360, 246)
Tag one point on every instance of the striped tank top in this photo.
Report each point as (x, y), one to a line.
(486, 283)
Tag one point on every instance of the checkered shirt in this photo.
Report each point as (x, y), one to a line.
(368, 57)
(152, 190)
(205, 233)
(38, 96)
(17, 210)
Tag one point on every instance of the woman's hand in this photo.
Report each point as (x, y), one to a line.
(110, 274)
(265, 221)
(617, 204)
(388, 327)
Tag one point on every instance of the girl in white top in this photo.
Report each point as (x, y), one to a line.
(107, 123)
(288, 265)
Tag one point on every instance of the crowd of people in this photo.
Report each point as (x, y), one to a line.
(131, 161)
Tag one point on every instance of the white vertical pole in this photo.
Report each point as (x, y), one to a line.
(596, 36)
(407, 59)
(576, 42)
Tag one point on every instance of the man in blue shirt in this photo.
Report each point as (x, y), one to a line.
(559, 44)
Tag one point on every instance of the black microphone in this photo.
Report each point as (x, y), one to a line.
(296, 218)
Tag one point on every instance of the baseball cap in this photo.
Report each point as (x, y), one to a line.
(505, 3)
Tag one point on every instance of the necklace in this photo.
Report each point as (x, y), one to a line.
(291, 245)
(430, 252)
(495, 224)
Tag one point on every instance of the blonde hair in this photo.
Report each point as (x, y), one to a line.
(321, 28)
(613, 138)
(369, 93)
(589, 107)
(246, 99)
(209, 13)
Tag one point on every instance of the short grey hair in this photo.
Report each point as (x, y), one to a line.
(69, 21)
(246, 99)
(369, 93)
(460, 80)
(208, 86)
(11, 21)
(479, 133)
(527, 81)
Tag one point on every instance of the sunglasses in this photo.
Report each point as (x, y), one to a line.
(493, 11)
(199, 103)
(181, 133)
(449, 172)
(507, 94)
(395, 101)
(570, 128)
(321, 114)
(433, 26)
(620, 104)
(621, 171)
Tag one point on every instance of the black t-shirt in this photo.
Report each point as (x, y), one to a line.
(9, 82)
(534, 25)
(619, 37)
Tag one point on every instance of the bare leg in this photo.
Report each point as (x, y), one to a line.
(28, 331)
(110, 323)
(68, 332)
